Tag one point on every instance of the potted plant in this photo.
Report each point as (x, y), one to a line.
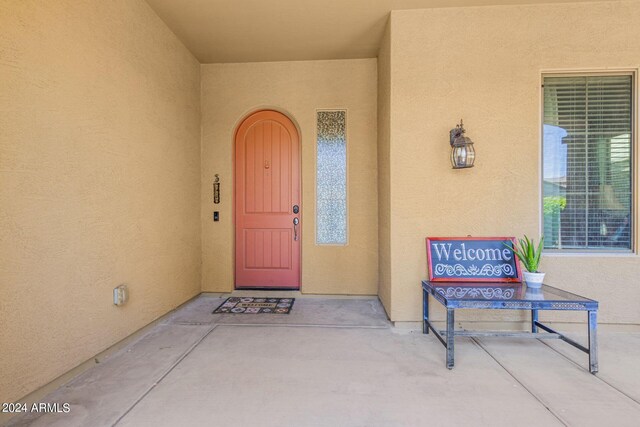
(529, 254)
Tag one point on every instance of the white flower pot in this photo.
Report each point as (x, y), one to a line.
(533, 280)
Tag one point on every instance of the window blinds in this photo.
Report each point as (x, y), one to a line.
(587, 162)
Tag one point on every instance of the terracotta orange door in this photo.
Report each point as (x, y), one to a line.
(267, 202)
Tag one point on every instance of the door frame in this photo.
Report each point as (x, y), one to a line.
(237, 125)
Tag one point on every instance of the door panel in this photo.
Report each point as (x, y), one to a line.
(267, 248)
(267, 178)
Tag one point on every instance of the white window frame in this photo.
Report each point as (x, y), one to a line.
(635, 182)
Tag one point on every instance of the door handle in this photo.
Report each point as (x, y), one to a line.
(296, 221)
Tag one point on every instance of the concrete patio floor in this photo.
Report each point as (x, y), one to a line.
(338, 362)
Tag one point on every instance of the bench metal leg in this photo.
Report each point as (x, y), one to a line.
(425, 311)
(450, 337)
(534, 319)
(593, 342)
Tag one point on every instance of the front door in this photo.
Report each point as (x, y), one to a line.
(267, 202)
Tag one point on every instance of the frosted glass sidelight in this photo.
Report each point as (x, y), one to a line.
(331, 179)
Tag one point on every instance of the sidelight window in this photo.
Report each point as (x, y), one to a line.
(331, 178)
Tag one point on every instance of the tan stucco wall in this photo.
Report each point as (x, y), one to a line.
(99, 180)
(229, 93)
(484, 65)
(384, 172)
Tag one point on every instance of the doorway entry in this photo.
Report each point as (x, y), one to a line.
(267, 202)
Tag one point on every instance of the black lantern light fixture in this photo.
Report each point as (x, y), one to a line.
(462, 152)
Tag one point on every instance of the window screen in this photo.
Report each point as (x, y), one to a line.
(587, 162)
(331, 178)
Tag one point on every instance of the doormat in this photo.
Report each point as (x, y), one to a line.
(252, 305)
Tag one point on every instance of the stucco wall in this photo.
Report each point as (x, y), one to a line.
(229, 93)
(484, 65)
(99, 180)
(384, 172)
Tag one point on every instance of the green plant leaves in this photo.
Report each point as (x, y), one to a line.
(527, 252)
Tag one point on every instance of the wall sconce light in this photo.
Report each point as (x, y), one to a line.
(462, 152)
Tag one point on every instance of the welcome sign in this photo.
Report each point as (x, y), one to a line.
(472, 259)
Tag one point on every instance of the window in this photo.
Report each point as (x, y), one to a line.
(331, 179)
(587, 162)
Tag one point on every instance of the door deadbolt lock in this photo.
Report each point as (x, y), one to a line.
(296, 209)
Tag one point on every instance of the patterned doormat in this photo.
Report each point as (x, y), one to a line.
(253, 305)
